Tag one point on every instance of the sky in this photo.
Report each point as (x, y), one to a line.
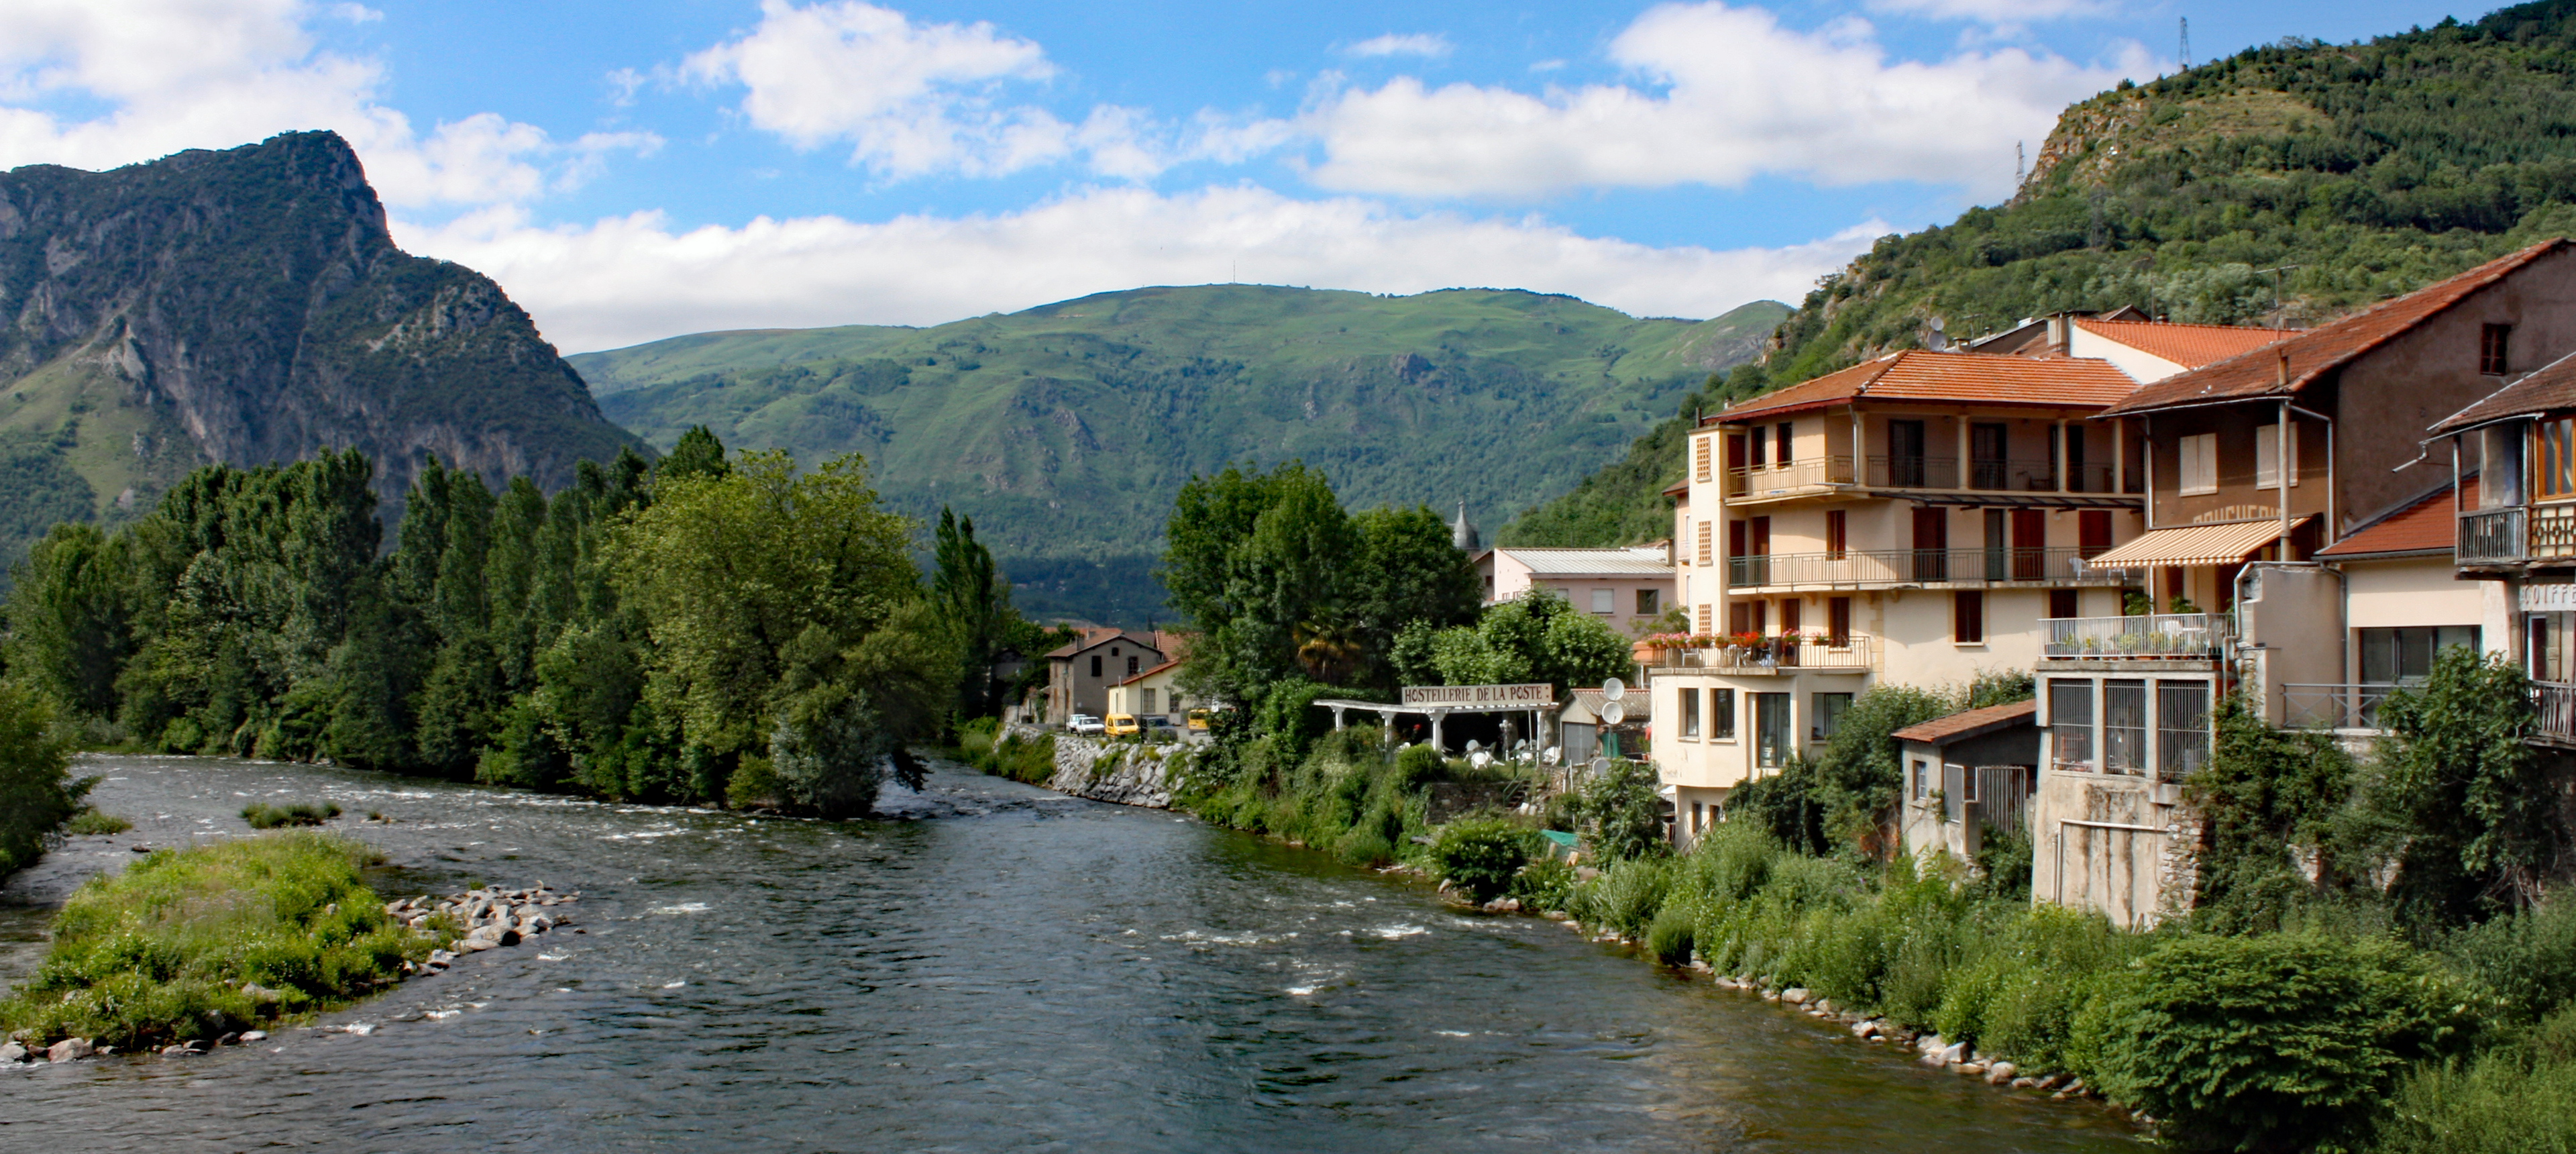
(641, 169)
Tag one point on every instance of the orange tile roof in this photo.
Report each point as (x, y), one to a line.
(2550, 388)
(1963, 378)
(1968, 723)
(1150, 672)
(2190, 346)
(2423, 527)
(2323, 349)
(1104, 634)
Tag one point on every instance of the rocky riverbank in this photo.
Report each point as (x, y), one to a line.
(1121, 773)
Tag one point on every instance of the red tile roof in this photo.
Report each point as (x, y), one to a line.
(2550, 388)
(1963, 378)
(1680, 488)
(2190, 346)
(2423, 527)
(1151, 672)
(2323, 349)
(1968, 723)
(1104, 634)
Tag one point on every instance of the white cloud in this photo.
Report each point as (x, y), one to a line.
(1431, 45)
(1993, 11)
(1729, 94)
(179, 74)
(627, 279)
(911, 99)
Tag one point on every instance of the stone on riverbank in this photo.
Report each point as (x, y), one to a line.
(13, 1053)
(70, 1050)
(2000, 1073)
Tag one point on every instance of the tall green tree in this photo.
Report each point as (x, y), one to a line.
(70, 627)
(1256, 562)
(2470, 811)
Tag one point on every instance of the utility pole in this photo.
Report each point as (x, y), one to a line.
(2276, 290)
(2186, 43)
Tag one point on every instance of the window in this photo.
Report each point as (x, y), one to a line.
(1690, 711)
(1780, 444)
(2124, 726)
(2196, 470)
(1789, 613)
(1905, 454)
(2182, 728)
(1649, 603)
(2548, 657)
(1968, 617)
(2092, 533)
(1145, 697)
(1986, 451)
(1095, 665)
(1605, 600)
(1706, 533)
(1701, 453)
(1707, 622)
(2389, 655)
(2491, 349)
(1921, 771)
(1699, 817)
(2267, 451)
(2070, 721)
(1829, 709)
(1771, 730)
(2064, 603)
(1755, 445)
(1739, 617)
(1838, 622)
(1721, 714)
(1837, 533)
(2553, 458)
(2072, 460)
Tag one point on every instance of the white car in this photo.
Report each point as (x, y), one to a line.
(1085, 723)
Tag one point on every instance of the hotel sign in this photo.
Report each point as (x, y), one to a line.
(1521, 696)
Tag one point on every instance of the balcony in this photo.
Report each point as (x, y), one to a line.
(1985, 475)
(1773, 656)
(1888, 568)
(2553, 719)
(2517, 534)
(2353, 706)
(2144, 637)
(1789, 477)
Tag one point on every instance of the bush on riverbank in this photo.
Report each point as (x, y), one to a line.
(192, 943)
(1481, 855)
(37, 791)
(981, 744)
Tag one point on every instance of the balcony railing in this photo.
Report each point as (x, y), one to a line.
(1811, 473)
(1773, 655)
(1883, 568)
(1988, 475)
(2554, 713)
(2553, 532)
(2491, 536)
(2353, 706)
(1914, 472)
(2156, 636)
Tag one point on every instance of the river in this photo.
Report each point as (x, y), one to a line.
(1005, 969)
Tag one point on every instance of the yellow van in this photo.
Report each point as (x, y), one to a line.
(1122, 725)
(1199, 720)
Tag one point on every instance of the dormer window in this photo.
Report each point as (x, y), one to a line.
(2491, 349)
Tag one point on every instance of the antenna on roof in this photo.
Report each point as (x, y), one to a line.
(2186, 43)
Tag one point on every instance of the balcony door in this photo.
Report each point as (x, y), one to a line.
(1931, 543)
(2029, 545)
(1986, 452)
(1905, 454)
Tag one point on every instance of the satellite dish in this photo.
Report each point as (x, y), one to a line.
(1598, 765)
(1612, 713)
(1614, 689)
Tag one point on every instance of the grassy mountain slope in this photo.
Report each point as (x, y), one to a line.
(2367, 170)
(246, 307)
(1066, 429)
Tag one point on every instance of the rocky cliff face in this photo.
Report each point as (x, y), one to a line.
(247, 307)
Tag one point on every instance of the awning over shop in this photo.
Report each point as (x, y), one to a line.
(2194, 545)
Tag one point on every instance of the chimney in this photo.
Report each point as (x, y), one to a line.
(2058, 335)
(2284, 379)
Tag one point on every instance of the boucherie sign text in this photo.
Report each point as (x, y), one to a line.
(1519, 695)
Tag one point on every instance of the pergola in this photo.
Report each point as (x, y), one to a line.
(1442, 700)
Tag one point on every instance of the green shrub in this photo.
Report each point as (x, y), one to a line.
(754, 784)
(2526, 959)
(1419, 765)
(1626, 896)
(262, 815)
(2515, 1098)
(91, 821)
(2278, 1040)
(37, 792)
(1620, 814)
(1480, 855)
(171, 948)
(1546, 883)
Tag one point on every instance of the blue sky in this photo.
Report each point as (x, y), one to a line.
(637, 170)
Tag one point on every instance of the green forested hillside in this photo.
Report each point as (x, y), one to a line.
(2288, 183)
(1065, 430)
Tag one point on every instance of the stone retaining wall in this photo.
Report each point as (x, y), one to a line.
(1117, 772)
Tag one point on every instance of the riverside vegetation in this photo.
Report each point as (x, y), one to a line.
(705, 629)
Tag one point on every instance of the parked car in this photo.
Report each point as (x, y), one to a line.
(1199, 720)
(1160, 728)
(1122, 725)
(1083, 723)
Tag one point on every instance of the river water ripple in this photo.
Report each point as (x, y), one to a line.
(1010, 970)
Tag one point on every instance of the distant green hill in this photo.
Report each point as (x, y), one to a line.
(1065, 430)
(2290, 183)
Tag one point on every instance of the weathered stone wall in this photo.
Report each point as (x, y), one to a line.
(1117, 772)
(2124, 846)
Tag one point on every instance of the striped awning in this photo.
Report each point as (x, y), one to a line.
(2194, 545)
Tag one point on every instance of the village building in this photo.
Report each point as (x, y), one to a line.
(1081, 672)
(1626, 589)
(2516, 529)
(1913, 519)
(1153, 693)
(1966, 777)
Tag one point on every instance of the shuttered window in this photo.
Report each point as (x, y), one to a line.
(2267, 453)
(1701, 451)
(2197, 470)
(1707, 543)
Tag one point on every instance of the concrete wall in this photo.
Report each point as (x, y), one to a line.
(2293, 614)
(2112, 844)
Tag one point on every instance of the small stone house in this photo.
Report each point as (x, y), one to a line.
(1967, 774)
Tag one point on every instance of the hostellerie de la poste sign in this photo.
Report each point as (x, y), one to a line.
(1487, 696)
